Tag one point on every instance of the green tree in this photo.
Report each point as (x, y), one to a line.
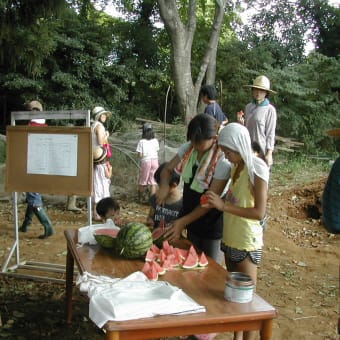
(27, 32)
(181, 23)
(324, 22)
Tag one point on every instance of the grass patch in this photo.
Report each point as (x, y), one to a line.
(297, 168)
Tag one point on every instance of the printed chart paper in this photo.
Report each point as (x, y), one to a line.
(52, 154)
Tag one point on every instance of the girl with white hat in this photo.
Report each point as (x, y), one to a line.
(99, 134)
(260, 117)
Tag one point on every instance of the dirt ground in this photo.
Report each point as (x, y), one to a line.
(299, 274)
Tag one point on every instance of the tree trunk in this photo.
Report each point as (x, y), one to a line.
(181, 37)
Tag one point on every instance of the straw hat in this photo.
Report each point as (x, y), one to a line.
(98, 111)
(334, 132)
(34, 105)
(99, 153)
(262, 83)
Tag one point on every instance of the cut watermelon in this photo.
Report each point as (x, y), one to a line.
(106, 237)
(204, 200)
(192, 259)
(150, 271)
(162, 256)
(150, 256)
(203, 261)
(190, 262)
(172, 258)
(155, 249)
(107, 231)
(178, 255)
(166, 264)
(160, 270)
(183, 252)
(192, 251)
(158, 236)
(165, 246)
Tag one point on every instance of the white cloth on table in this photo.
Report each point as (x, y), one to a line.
(135, 297)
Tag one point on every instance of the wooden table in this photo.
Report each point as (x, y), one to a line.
(205, 286)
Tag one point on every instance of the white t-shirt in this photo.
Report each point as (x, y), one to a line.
(148, 148)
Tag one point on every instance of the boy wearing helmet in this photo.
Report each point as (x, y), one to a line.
(260, 117)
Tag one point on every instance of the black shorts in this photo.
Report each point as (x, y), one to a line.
(235, 255)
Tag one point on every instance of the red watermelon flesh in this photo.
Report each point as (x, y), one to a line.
(173, 260)
(192, 251)
(162, 256)
(183, 253)
(107, 231)
(106, 237)
(150, 256)
(191, 261)
(166, 264)
(155, 249)
(160, 270)
(203, 261)
(166, 246)
(150, 271)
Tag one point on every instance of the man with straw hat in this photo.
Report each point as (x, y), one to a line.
(331, 194)
(260, 117)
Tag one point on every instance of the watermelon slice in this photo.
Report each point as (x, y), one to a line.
(150, 271)
(155, 249)
(106, 237)
(192, 251)
(203, 261)
(174, 262)
(183, 253)
(204, 200)
(160, 270)
(190, 262)
(158, 236)
(166, 246)
(162, 256)
(166, 264)
(150, 256)
(107, 231)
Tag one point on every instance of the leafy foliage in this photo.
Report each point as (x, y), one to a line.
(70, 55)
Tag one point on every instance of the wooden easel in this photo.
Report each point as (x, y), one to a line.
(17, 178)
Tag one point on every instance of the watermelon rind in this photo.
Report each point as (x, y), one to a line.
(158, 236)
(106, 238)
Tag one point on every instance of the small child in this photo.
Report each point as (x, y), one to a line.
(147, 150)
(102, 173)
(161, 215)
(108, 208)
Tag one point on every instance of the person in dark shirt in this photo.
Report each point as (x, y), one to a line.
(208, 95)
(33, 199)
(331, 195)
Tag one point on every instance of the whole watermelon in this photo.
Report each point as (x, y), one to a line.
(133, 240)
